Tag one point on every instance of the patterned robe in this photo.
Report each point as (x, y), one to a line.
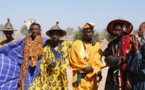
(53, 78)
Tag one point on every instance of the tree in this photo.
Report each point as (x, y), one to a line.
(69, 31)
(78, 35)
(96, 36)
(106, 35)
(1, 27)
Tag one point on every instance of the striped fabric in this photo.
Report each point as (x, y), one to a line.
(11, 59)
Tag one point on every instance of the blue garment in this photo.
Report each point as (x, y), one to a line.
(11, 59)
(136, 69)
(56, 53)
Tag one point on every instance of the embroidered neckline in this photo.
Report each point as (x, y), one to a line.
(86, 56)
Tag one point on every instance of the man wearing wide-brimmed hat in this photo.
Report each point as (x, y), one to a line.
(116, 53)
(85, 60)
(54, 64)
(8, 30)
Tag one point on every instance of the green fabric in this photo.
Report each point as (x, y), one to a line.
(79, 76)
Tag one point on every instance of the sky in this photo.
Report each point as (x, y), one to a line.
(71, 13)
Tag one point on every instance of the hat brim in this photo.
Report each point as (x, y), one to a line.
(62, 34)
(8, 30)
(129, 26)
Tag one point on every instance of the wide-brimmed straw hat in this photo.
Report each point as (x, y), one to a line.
(8, 26)
(56, 28)
(128, 25)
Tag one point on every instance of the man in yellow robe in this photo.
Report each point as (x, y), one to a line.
(85, 61)
(55, 60)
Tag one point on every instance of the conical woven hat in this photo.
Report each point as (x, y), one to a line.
(56, 28)
(8, 26)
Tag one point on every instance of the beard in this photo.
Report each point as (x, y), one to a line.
(55, 39)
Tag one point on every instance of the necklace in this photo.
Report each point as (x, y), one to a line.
(86, 54)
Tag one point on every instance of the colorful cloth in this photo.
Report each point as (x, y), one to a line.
(78, 61)
(11, 59)
(53, 78)
(32, 52)
(89, 25)
(116, 77)
(10, 62)
(4, 42)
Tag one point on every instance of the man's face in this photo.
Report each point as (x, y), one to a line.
(141, 30)
(117, 31)
(8, 34)
(55, 35)
(88, 33)
(35, 30)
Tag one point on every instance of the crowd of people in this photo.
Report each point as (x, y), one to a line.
(38, 63)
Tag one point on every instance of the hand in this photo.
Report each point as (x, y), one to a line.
(135, 43)
(99, 76)
(52, 65)
(88, 69)
(122, 58)
(121, 61)
(128, 84)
